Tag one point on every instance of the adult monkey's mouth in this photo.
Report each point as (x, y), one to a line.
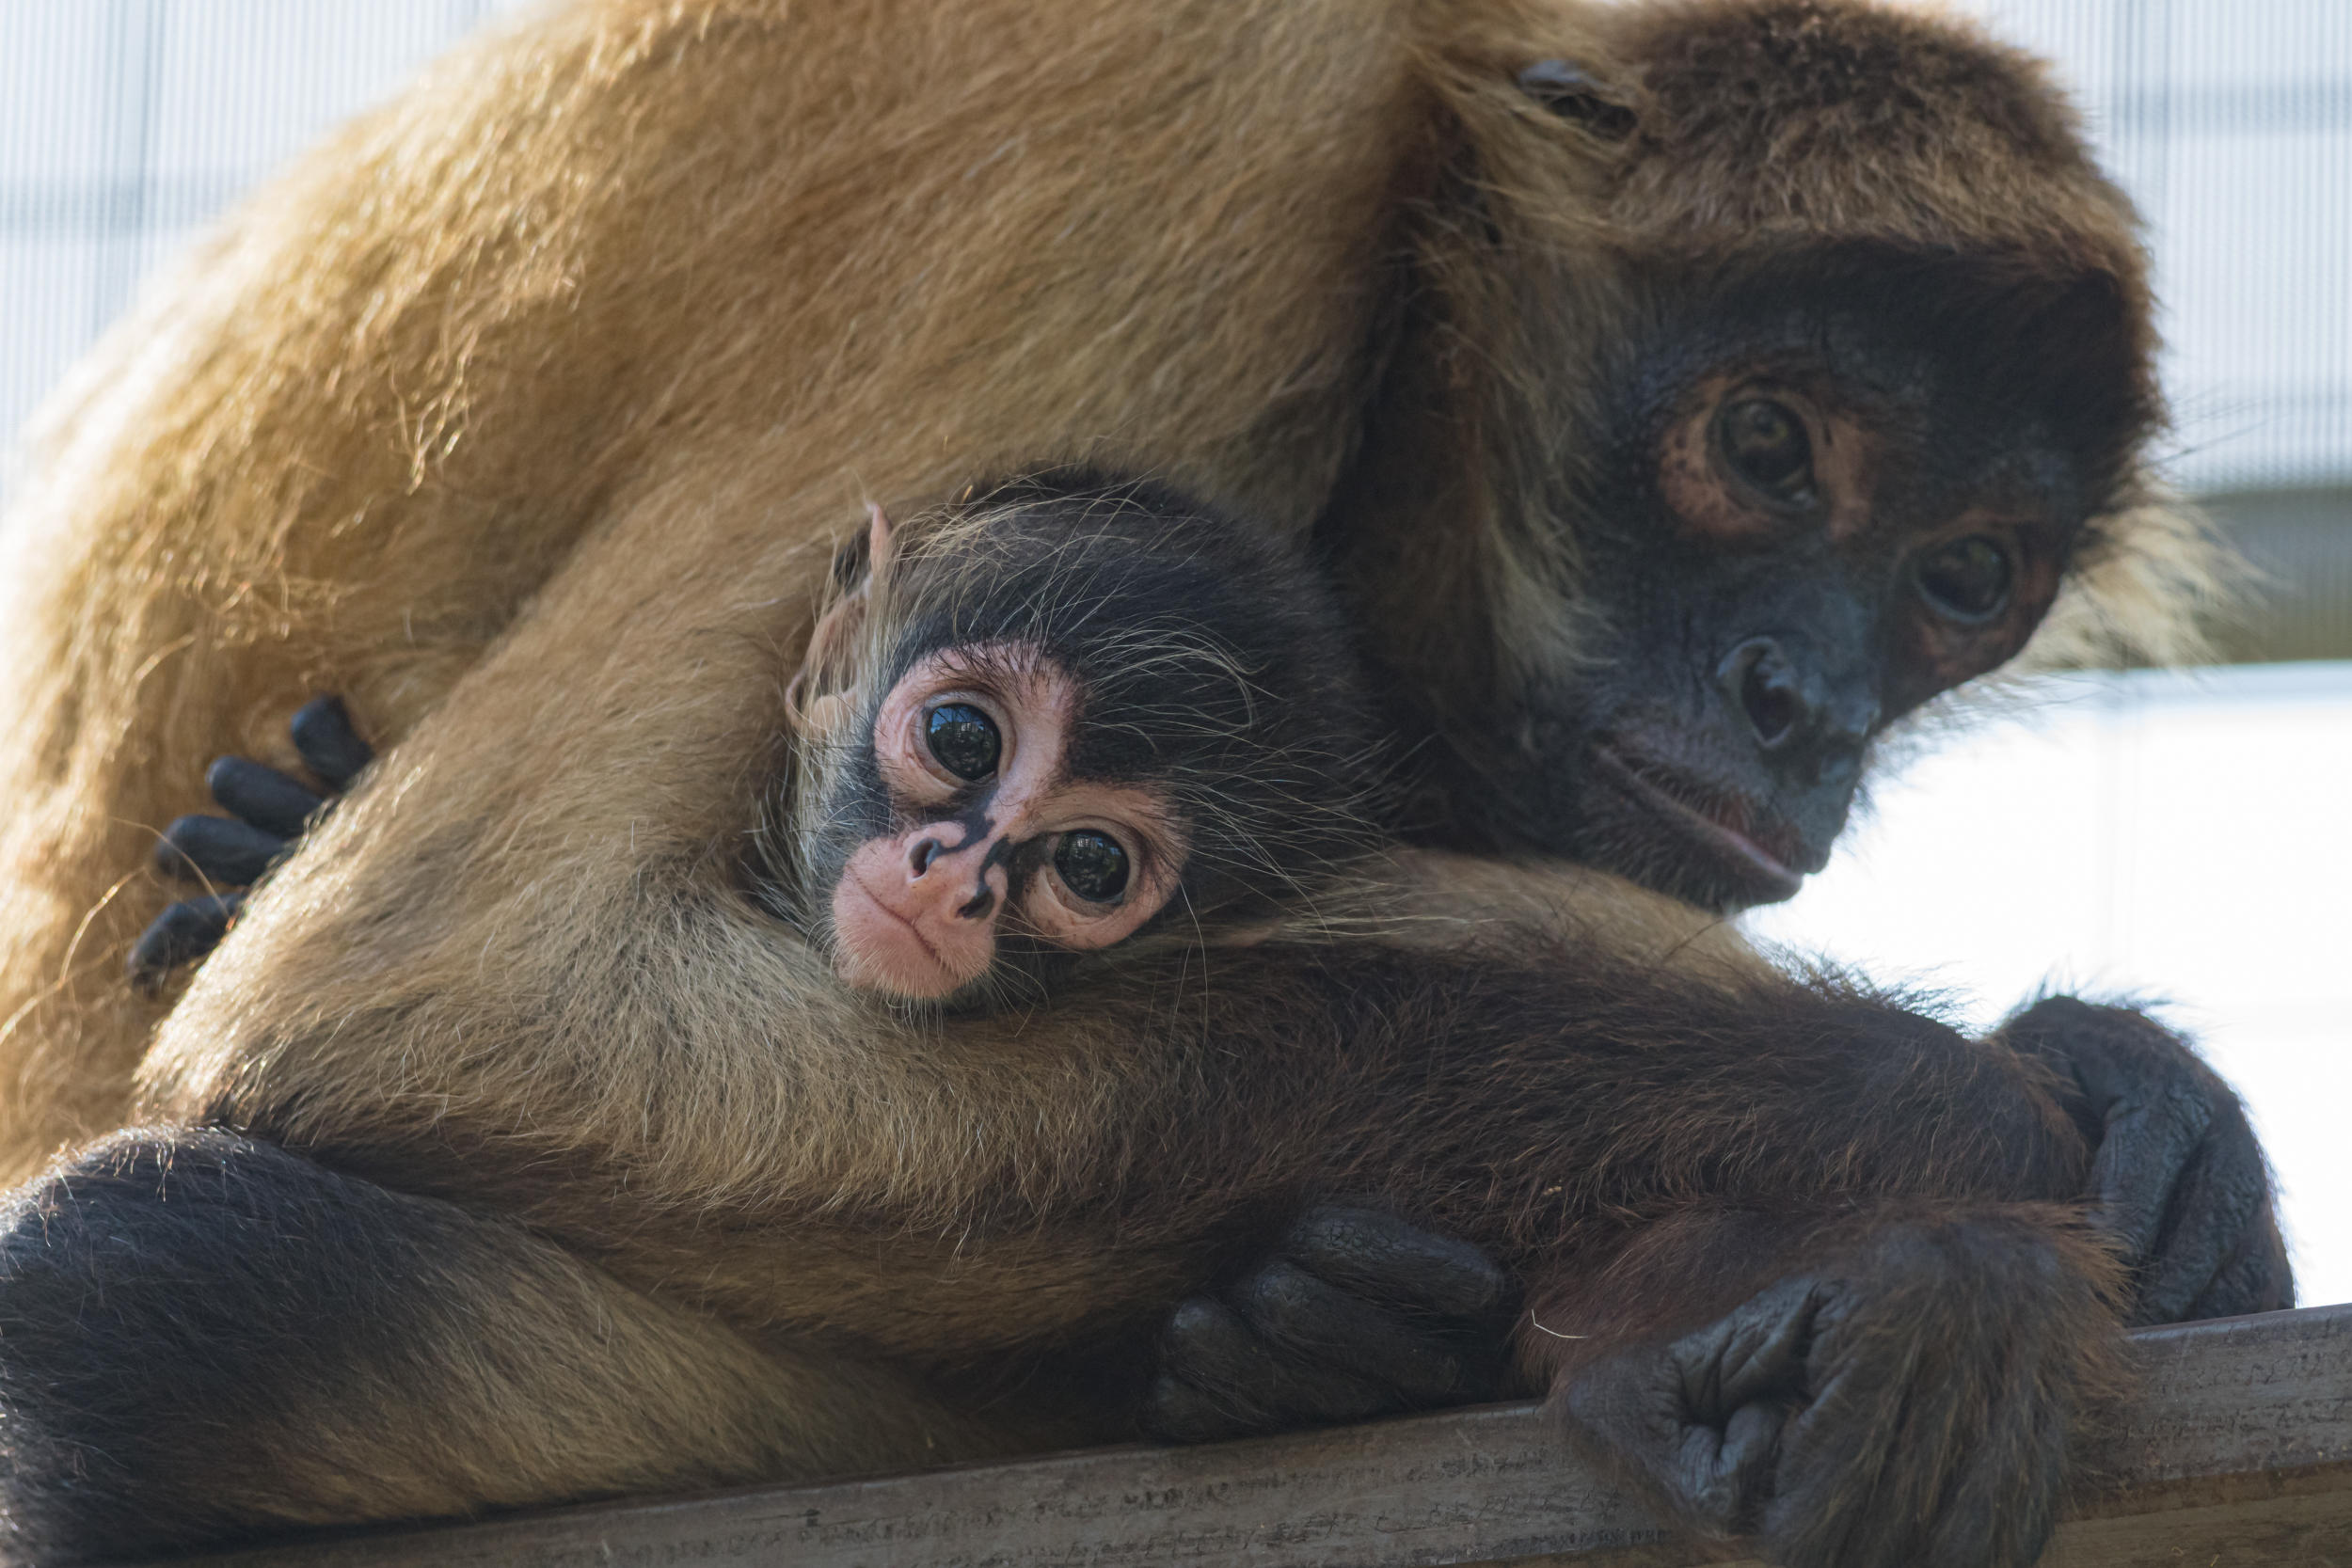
(1750, 849)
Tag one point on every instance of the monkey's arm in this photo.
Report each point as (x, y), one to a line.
(1884, 1365)
(1857, 1335)
(2177, 1176)
(268, 814)
(1356, 1313)
(203, 1336)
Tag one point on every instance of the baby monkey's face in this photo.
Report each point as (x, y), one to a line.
(1033, 720)
(989, 833)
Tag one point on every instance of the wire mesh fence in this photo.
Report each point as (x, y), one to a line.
(2230, 121)
(126, 124)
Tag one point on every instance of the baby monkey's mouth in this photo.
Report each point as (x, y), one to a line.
(1760, 856)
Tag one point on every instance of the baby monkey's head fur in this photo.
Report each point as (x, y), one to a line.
(1065, 714)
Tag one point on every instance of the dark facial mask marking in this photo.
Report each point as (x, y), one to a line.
(999, 853)
(977, 825)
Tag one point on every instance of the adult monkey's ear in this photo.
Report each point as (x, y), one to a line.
(1575, 94)
(826, 690)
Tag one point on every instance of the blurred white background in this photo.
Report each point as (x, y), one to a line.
(2182, 836)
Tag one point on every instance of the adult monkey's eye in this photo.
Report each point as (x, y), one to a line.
(1091, 864)
(963, 740)
(1967, 579)
(1765, 443)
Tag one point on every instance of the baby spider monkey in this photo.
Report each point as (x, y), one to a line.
(1059, 716)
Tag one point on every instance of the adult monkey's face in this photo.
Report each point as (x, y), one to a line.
(1838, 384)
(1827, 495)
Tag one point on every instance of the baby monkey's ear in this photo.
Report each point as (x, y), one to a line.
(862, 556)
(825, 693)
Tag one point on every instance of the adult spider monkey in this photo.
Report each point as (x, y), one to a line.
(1401, 273)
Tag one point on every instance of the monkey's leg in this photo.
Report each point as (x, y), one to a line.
(268, 815)
(1904, 1401)
(203, 1337)
(2178, 1178)
(1356, 1313)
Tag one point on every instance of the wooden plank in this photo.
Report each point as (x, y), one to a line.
(2238, 1450)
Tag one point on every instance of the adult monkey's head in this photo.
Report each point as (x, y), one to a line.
(1838, 397)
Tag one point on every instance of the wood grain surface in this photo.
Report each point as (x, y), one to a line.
(2238, 1450)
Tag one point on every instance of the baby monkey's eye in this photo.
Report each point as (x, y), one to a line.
(963, 740)
(1091, 864)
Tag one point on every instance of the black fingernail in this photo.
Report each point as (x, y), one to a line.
(330, 747)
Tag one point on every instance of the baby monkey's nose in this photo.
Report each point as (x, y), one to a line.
(983, 900)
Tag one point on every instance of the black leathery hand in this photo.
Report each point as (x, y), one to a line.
(2254, 1278)
(262, 796)
(2216, 1201)
(2177, 1174)
(2151, 1132)
(1907, 1407)
(1298, 1312)
(218, 850)
(1703, 1414)
(2147, 1116)
(1354, 1312)
(328, 745)
(1379, 1256)
(1221, 1379)
(182, 934)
